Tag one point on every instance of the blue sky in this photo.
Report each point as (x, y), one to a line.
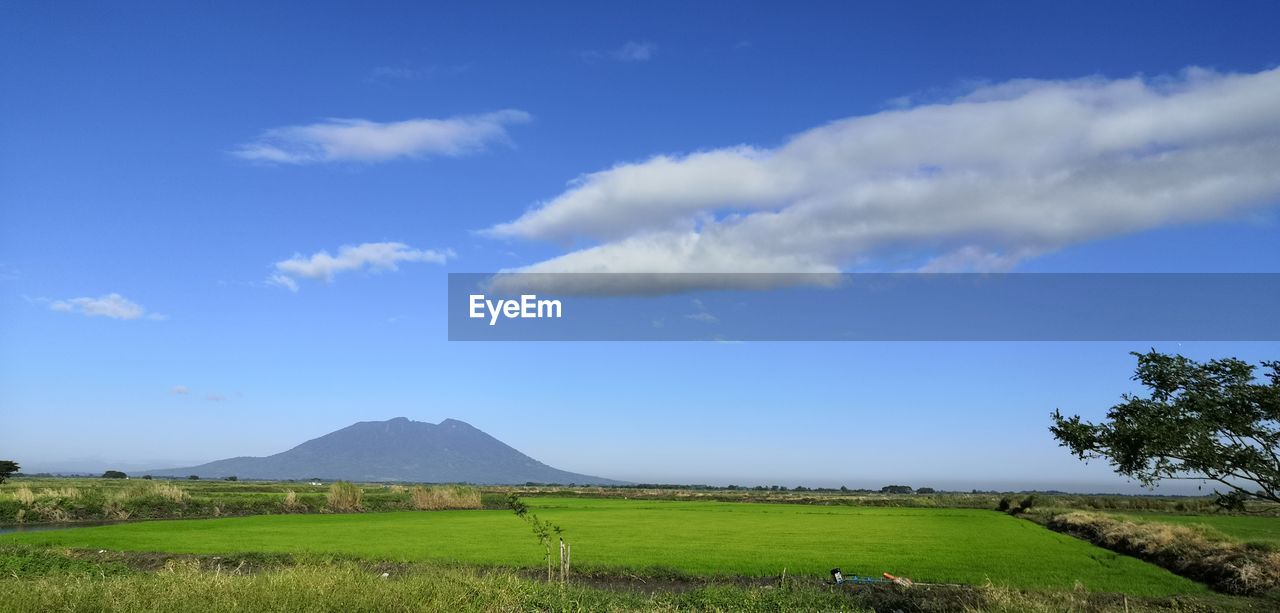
(188, 159)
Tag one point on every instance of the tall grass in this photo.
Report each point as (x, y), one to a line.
(344, 497)
(439, 497)
(52, 580)
(24, 495)
(183, 586)
(1196, 552)
(291, 503)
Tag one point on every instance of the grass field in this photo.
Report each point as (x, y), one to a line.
(697, 538)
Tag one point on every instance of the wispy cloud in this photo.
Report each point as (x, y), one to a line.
(398, 73)
(631, 51)
(980, 181)
(366, 256)
(412, 73)
(180, 390)
(112, 305)
(361, 140)
(216, 397)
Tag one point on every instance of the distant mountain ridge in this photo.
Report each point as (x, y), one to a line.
(398, 449)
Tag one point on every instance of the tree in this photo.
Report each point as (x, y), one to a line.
(7, 469)
(544, 530)
(114, 474)
(1209, 421)
(231, 478)
(193, 477)
(896, 489)
(926, 490)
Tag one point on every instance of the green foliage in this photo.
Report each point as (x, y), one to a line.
(193, 477)
(7, 469)
(1211, 421)
(896, 489)
(114, 474)
(231, 478)
(1027, 503)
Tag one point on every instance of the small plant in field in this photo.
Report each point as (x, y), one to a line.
(544, 531)
(1004, 505)
(344, 497)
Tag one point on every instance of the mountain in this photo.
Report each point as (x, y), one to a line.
(395, 450)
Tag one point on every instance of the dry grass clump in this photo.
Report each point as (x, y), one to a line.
(397, 489)
(149, 489)
(166, 490)
(1197, 553)
(344, 497)
(438, 497)
(24, 495)
(69, 493)
(292, 504)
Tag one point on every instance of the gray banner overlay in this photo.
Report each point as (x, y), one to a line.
(864, 306)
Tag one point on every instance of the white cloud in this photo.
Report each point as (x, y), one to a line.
(361, 140)
(112, 305)
(373, 256)
(180, 389)
(216, 397)
(1003, 173)
(631, 51)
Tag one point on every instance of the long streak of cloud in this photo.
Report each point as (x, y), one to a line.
(366, 256)
(980, 182)
(361, 140)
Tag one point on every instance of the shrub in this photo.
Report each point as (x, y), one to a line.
(1004, 505)
(114, 474)
(445, 497)
(344, 497)
(1027, 503)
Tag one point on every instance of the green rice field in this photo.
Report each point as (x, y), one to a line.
(966, 546)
